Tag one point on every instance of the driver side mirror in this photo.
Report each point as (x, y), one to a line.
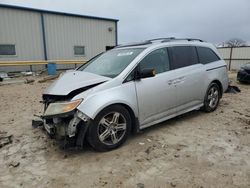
(145, 73)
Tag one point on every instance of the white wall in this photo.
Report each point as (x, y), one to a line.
(240, 56)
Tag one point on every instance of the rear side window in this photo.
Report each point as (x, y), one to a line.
(206, 55)
(183, 56)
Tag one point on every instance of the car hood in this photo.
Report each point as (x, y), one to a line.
(73, 80)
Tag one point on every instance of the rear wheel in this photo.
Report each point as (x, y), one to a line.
(110, 128)
(212, 98)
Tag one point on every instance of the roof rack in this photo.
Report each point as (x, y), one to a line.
(134, 44)
(161, 40)
(188, 39)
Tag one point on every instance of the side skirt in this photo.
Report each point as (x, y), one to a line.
(170, 116)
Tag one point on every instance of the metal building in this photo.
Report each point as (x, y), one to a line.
(28, 34)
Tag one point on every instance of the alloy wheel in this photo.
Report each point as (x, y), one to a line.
(112, 128)
(213, 97)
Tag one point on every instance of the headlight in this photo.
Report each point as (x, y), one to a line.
(61, 107)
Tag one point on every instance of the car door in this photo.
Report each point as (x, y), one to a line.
(190, 84)
(156, 98)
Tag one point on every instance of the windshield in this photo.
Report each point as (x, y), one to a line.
(111, 63)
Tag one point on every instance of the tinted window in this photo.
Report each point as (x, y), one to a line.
(7, 49)
(157, 60)
(206, 55)
(184, 56)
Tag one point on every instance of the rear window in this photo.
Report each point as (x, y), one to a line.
(183, 56)
(206, 55)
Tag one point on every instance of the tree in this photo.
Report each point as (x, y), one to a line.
(235, 42)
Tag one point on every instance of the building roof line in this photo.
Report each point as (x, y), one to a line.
(55, 12)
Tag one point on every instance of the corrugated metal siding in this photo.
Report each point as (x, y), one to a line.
(240, 56)
(23, 29)
(63, 33)
(241, 53)
(224, 52)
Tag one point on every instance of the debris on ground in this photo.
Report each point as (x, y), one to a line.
(173, 184)
(27, 73)
(233, 89)
(176, 156)
(49, 78)
(28, 81)
(5, 139)
(140, 185)
(40, 72)
(16, 81)
(3, 76)
(37, 123)
(148, 150)
(9, 82)
(14, 164)
(14, 74)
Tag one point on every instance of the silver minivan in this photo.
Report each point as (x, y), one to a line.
(132, 87)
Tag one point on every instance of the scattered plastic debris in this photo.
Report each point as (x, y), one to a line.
(233, 89)
(3, 75)
(28, 73)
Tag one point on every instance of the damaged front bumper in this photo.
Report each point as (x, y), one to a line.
(69, 127)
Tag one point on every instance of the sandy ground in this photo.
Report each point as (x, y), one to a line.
(194, 150)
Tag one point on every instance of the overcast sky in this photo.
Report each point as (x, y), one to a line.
(211, 20)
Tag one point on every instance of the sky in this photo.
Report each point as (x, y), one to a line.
(215, 21)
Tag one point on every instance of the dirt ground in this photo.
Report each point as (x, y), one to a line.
(194, 150)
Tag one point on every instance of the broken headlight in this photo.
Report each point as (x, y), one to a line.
(61, 107)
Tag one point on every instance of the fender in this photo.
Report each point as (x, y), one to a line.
(124, 94)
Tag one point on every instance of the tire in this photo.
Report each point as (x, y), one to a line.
(110, 128)
(212, 98)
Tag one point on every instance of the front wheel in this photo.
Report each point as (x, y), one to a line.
(110, 128)
(212, 98)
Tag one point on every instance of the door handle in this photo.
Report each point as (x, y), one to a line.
(178, 80)
(170, 82)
